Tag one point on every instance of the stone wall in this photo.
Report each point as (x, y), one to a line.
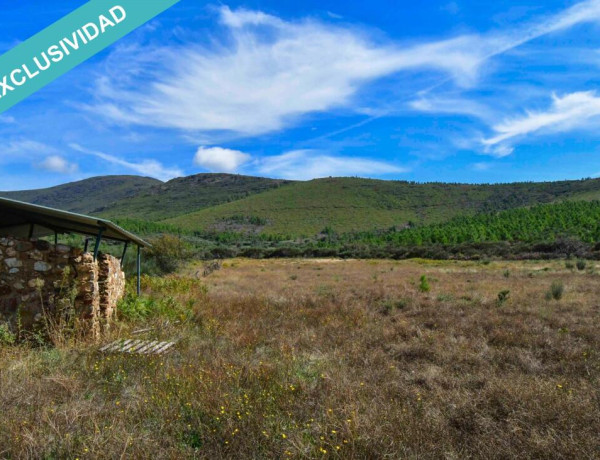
(111, 285)
(39, 279)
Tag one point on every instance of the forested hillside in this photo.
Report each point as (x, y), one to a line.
(352, 204)
(87, 195)
(542, 223)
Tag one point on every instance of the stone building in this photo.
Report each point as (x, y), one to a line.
(41, 279)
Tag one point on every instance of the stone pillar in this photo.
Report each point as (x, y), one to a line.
(112, 286)
(37, 279)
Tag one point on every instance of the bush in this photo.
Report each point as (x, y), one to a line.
(581, 264)
(168, 252)
(557, 290)
(569, 265)
(133, 308)
(6, 336)
(503, 296)
(424, 284)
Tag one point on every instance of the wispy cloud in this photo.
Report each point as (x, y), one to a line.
(569, 112)
(218, 159)
(452, 105)
(270, 71)
(150, 168)
(57, 164)
(311, 164)
(20, 150)
(482, 166)
(282, 71)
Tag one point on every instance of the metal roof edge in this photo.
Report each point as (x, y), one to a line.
(82, 218)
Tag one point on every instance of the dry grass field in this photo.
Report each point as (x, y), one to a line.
(326, 359)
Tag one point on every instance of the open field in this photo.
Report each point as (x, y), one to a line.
(327, 359)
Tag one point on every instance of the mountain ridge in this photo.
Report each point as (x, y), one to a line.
(236, 203)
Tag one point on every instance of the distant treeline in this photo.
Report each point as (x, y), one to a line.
(543, 231)
(542, 223)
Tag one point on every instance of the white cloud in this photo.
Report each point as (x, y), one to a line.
(272, 71)
(25, 151)
(150, 168)
(499, 151)
(24, 148)
(572, 111)
(482, 166)
(455, 105)
(218, 159)
(311, 164)
(40, 155)
(57, 164)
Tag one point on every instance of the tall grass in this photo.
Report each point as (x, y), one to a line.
(315, 367)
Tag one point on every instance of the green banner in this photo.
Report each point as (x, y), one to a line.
(67, 43)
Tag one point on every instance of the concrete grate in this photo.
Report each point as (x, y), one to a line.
(140, 347)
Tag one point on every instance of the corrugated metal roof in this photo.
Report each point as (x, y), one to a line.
(15, 214)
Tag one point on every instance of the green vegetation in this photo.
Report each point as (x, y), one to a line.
(579, 220)
(557, 290)
(7, 337)
(146, 198)
(344, 205)
(424, 284)
(185, 194)
(503, 296)
(86, 196)
(270, 367)
(345, 217)
(567, 229)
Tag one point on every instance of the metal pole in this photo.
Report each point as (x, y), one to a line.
(98, 240)
(124, 252)
(87, 241)
(139, 271)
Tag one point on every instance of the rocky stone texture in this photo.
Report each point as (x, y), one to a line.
(37, 278)
(112, 285)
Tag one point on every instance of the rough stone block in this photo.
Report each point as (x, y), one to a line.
(41, 266)
(41, 270)
(13, 262)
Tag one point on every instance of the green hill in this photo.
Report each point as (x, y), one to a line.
(254, 205)
(186, 194)
(541, 223)
(84, 196)
(145, 198)
(352, 204)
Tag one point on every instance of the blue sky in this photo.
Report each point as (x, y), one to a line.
(458, 91)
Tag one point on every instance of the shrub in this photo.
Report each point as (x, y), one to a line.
(503, 296)
(506, 273)
(424, 284)
(6, 336)
(133, 308)
(168, 252)
(389, 305)
(557, 290)
(581, 264)
(569, 265)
